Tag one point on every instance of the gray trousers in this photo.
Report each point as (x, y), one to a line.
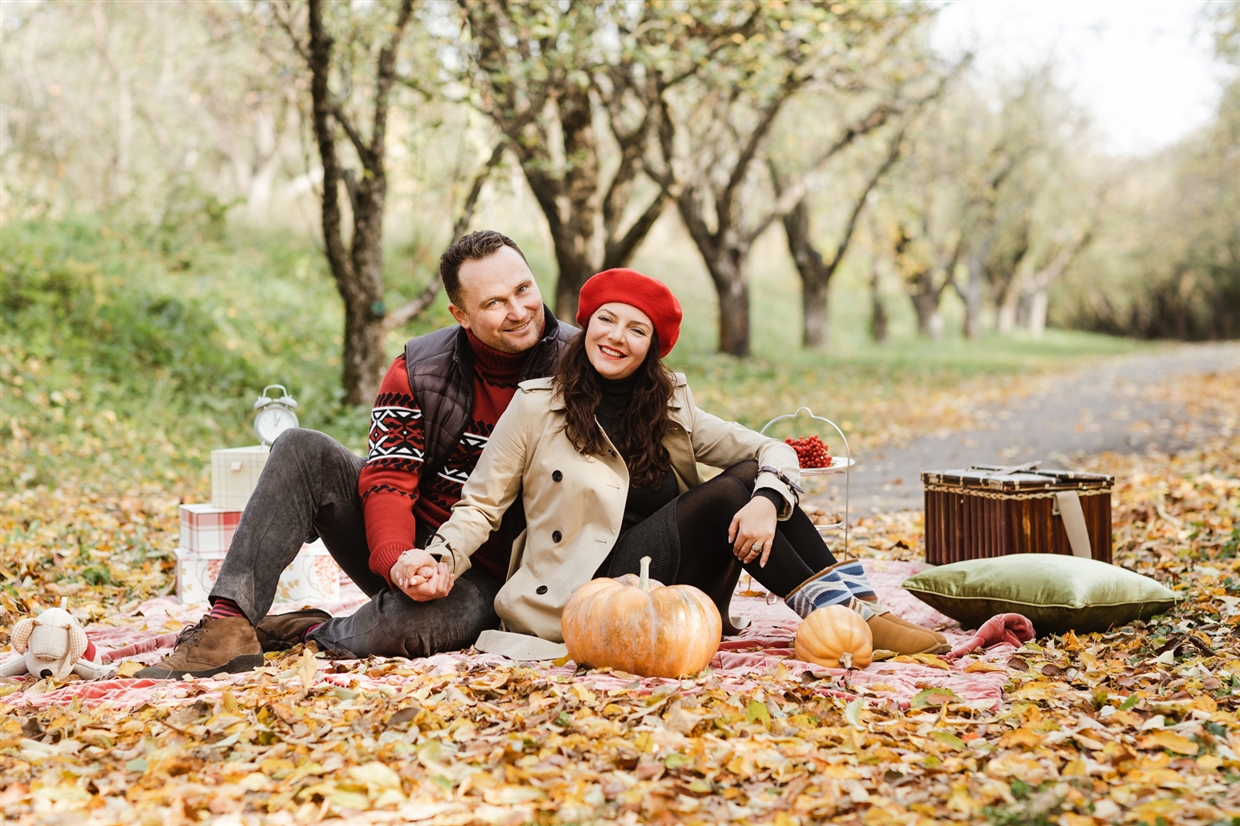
(308, 488)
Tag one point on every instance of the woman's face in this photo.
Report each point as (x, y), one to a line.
(617, 339)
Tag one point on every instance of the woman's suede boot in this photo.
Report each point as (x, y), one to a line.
(828, 588)
(853, 575)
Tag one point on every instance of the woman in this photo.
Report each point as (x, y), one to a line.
(605, 454)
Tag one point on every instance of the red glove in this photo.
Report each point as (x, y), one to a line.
(1010, 628)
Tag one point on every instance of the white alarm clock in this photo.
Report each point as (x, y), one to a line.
(275, 415)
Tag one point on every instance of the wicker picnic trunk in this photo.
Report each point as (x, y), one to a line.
(986, 512)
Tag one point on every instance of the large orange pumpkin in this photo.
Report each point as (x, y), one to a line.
(636, 624)
(836, 637)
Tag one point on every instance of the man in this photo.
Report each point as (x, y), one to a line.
(436, 408)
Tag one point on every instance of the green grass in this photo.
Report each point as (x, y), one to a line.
(128, 354)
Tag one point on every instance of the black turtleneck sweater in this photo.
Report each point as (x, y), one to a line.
(642, 502)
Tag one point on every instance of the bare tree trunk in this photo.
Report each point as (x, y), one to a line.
(1038, 304)
(266, 167)
(731, 281)
(972, 292)
(358, 269)
(878, 311)
(1005, 321)
(814, 271)
(815, 315)
(929, 319)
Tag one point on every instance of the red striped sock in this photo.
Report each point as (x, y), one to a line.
(309, 630)
(223, 608)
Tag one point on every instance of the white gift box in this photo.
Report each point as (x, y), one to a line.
(207, 529)
(312, 577)
(234, 474)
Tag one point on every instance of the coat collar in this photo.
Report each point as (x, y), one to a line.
(557, 399)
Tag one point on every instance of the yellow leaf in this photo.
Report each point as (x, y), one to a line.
(1209, 762)
(1165, 778)
(1075, 768)
(983, 666)
(127, 669)
(932, 660)
(1020, 738)
(509, 794)
(1073, 819)
(307, 669)
(1170, 741)
(1204, 703)
(375, 774)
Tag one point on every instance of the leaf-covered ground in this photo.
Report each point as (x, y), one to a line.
(1138, 725)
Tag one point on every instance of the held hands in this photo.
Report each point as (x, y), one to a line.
(752, 531)
(422, 578)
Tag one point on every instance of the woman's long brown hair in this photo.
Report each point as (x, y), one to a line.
(643, 424)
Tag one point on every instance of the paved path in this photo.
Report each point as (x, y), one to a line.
(1115, 405)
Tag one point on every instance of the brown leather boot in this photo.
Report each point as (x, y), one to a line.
(853, 574)
(213, 646)
(280, 632)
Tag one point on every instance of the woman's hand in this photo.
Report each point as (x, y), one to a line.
(421, 577)
(752, 531)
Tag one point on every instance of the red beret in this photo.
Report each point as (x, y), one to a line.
(641, 291)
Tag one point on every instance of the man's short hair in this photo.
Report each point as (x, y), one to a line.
(472, 247)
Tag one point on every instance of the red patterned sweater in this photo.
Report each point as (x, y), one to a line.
(394, 496)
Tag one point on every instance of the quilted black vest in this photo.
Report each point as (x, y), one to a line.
(441, 375)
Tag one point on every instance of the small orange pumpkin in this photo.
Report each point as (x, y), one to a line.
(637, 624)
(836, 637)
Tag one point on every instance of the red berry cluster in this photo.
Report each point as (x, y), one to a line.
(811, 452)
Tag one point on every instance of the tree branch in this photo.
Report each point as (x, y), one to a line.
(412, 309)
(383, 86)
(893, 155)
(750, 149)
(320, 64)
(283, 15)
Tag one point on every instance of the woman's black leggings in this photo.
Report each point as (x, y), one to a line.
(703, 515)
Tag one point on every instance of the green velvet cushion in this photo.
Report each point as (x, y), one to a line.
(1057, 593)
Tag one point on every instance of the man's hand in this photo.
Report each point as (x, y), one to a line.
(752, 531)
(422, 578)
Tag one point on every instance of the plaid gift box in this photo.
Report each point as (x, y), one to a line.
(234, 474)
(312, 577)
(207, 529)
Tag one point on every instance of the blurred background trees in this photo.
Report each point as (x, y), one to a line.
(716, 146)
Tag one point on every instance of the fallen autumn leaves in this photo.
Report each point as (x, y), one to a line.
(1138, 725)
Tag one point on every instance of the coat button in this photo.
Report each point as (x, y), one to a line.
(556, 536)
(541, 589)
(612, 452)
(556, 476)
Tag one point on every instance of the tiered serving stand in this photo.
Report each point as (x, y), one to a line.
(814, 479)
(814, 482)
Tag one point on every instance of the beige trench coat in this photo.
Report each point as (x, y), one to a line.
(574, 504)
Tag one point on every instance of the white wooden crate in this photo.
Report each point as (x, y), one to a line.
(234, 474)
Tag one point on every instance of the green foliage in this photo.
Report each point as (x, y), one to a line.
(124, 359)
(82, 297)
(1170, 264)
(132, 352)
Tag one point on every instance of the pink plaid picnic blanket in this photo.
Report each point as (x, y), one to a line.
(148, 633)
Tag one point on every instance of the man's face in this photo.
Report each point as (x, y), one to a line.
(500, 303)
